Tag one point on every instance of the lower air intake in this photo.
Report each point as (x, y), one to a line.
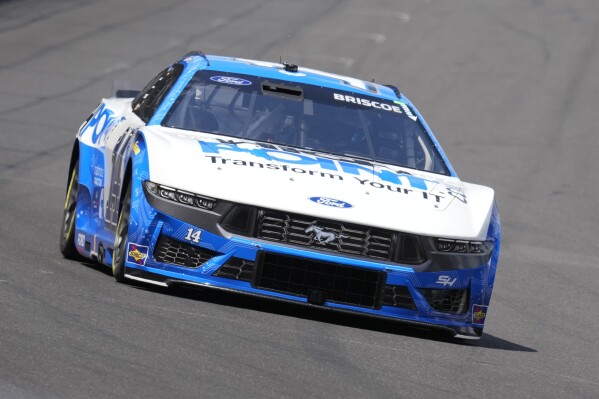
(325, 281)
(179, 253)
(398, 296)
(449, 301)
(237, 269)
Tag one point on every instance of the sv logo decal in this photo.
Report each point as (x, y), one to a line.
(446, 281)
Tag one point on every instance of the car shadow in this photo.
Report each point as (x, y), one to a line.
(97, 267)
(320, 314)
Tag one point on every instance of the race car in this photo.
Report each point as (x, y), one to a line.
(287, 183)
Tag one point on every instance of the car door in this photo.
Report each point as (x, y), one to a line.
(121, 138)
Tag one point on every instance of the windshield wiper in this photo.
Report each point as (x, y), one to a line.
(371, 161)
(403, 172)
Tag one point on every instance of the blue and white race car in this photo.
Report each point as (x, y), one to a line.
(283, 182)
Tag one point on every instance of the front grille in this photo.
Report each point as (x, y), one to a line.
(315, 279)
(237, 269)
(398, 296)
(450, 301)
(179, 253)
(325, 234)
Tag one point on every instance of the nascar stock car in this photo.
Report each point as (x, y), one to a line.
(287, 183)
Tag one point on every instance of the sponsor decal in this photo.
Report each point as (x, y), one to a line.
(136, 149)
(335, 203)
(230, 80)
(288, 155)
(100, 125)
(98, 176)
(446, 281)
(80, 240)
(331, 167)
(399, 108)
(323, 237)
(137, 254)
(479, 312)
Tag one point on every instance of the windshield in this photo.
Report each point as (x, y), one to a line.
(306, 116)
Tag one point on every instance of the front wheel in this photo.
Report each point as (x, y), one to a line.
(67, 233)
(120, 239)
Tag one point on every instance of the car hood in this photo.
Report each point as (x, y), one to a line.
(317, 184)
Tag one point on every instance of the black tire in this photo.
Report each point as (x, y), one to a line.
(67, 233)
(120, 238)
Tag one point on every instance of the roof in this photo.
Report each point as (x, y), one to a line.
(198, 61)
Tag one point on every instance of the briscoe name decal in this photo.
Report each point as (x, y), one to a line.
(400, 108)
(335, 203)
(291, 160)
(230, 80)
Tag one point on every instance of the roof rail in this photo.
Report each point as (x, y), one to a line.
(197, 53)
(395, 90)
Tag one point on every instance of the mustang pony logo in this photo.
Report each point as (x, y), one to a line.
(324, 237)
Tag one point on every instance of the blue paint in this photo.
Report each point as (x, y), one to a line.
(298, 158)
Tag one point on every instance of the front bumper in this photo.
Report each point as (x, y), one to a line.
(164, 250)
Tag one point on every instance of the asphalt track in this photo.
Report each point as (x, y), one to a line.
(511, 89)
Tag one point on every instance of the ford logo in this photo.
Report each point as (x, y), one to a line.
(231, 80)
(331, 202)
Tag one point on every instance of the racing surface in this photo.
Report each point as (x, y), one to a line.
(511, 90)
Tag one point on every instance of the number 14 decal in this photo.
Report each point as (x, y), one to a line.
(193, 235)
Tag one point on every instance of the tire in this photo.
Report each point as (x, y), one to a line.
(120, 238)
(67, 233)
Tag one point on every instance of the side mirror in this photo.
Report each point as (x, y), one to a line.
(125, 89)
(126, 93)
